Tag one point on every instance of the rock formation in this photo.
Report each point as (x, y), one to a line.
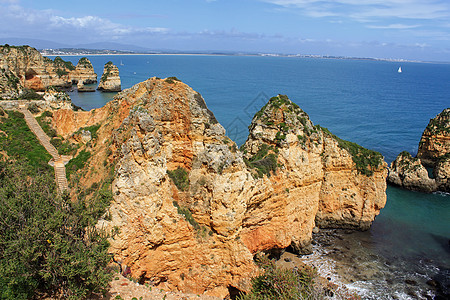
(84, 72)
(110, 80)
(33, 70)
(192, 209)
(434, 152)
(82, 88)
(409, 173)
(435, 141)
(57, 99)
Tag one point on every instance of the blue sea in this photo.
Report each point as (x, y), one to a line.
(364, 101)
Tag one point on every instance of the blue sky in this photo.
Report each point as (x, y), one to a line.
(408, 29)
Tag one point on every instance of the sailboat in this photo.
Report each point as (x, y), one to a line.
(121, 63)
(399, 69)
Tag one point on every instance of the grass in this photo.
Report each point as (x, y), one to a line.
(365, 160)
(20, 142)
(77, 162)
(187, 215)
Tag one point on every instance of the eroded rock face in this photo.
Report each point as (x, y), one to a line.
(110, 80)
(435, 141)
(33, 70)
(408, 172)
(192, 209)
(84, 72)
(57, 99)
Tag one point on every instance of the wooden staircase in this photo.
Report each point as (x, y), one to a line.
(57, 162)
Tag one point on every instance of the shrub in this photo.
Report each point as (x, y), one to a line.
(263, 162)
(77, 163)
(171, 80)
(48, 244)
(180, 178)
(28, 94)
(277, 283)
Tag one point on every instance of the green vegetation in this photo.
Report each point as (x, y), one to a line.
(20, 143)
(77, 162)
(284, 284)
(171, 80)
(62, 64)
(180, 178)
(365, 160)
(92, 129)
(107, 71)
(440, 124)
(29, 94)
(48, 244)
(84, 61)
(46, 124)
(187, 215)
(263, 162)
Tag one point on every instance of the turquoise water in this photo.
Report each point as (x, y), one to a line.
(366, 102)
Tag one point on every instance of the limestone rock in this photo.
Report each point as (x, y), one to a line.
(33, 70)
(110, 80)
(409, 173)
(434, 152)
(84, 73)
(192, 209)
(442, 173)
(82, 88)
(10, 87)
(435, 141)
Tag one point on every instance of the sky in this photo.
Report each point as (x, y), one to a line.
(399, 29)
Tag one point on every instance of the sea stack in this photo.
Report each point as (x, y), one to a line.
(110, 80)
(84, 72)
(434, 152)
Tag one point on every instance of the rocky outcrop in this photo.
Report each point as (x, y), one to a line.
(82, 88)
(409, 173)
(110, 80)
(191, 209)
(435, 141)
(57, 99)
(442, 173)
(434, 152)
(10, 87)
(33, 70)
(83, 73)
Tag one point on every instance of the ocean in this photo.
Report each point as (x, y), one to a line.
(363, 101)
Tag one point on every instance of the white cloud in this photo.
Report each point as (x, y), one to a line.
(393, 26)
(370, 9)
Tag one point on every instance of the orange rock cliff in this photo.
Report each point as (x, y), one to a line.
(192, 209)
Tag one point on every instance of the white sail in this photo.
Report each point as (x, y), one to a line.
(399, 69)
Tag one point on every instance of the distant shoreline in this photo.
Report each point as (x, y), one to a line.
(248, 55)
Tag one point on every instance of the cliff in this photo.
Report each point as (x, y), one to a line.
(435, 140)
(434, 152)
(190, 209)
(33, 70)
(110, 80)
(84, 72)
